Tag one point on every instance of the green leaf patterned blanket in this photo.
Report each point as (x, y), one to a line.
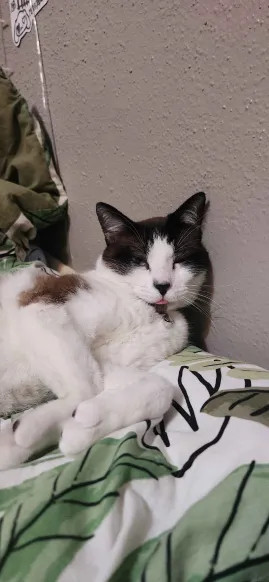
(184, 501)
(32, 196)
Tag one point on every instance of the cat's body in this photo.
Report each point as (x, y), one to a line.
(91, 340)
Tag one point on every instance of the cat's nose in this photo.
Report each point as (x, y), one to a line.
(162, 287)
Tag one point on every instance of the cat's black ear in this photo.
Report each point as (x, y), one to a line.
(112, 221)
(192, 211)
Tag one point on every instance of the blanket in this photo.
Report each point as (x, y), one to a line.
(185, 501)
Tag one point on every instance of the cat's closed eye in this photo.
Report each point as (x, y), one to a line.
(140, 262)
(181, 260)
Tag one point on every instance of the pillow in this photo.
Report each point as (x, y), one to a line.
(235, 388)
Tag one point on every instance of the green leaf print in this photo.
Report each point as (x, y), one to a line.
(248, 403)
(187, 356)
(225, 536)
(249, 373)
(198, 361)
(46, 519)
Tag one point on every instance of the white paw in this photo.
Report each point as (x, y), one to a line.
(31, 431)
(11, 455)
(88, 413)
(75, 438)
(26, 432)
(84, 429)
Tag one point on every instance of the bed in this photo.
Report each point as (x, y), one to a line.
(187, 500)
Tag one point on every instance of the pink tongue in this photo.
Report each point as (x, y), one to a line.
(162, 302)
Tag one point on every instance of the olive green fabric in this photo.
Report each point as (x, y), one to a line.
(32, 196)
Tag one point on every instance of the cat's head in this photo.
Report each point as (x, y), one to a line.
(163, 260)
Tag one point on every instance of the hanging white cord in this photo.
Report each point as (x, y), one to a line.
(44, 89)
(42, 76)
(40, 61)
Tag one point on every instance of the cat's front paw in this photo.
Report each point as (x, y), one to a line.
(83, 430)
(34, 432)
(88, 413)
(74, 439)
(11, 454)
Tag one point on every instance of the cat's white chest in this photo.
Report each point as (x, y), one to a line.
(139, 337)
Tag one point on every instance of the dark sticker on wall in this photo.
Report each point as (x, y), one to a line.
(22, 16)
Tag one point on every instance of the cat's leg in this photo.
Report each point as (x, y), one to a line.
(43, 425)
(145, 396)
(38, 429)
(34, 431)
(62, 361)
(11, 454)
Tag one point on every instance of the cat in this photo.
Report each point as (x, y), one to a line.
(78, 349)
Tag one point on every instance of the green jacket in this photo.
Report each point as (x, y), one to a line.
(32, 196)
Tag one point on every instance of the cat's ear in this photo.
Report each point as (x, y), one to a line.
(112, 221)
(192, 211)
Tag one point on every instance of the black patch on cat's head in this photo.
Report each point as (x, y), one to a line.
(128, 241)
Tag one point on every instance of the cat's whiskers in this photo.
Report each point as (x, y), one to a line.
(187, 235)
(205, 312)
(207, 297)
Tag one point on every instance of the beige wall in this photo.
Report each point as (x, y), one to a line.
(152, 100)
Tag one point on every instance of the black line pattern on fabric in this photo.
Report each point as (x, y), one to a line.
(244, 399)
(133, 466)
(162, 434)
(261, 534)
(255, 369)
(1, 523)
(217, 360)
(168, 558)
(90, 503)
(129, 437)
(181, 472)
(239, 391)
(260, 411)
(54, 486)
(239, 567)
(14, 526)
(146, 445)
(153, 461)
(155, 431)
(191, 420)
(188, 416)
(144, 573)
(16, 534)
(211, 389)
(53, 537)
(84, 459)
(229, 521)
(12, 533)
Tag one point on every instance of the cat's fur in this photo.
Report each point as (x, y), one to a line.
(91, 340)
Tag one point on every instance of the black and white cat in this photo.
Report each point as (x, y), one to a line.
(90, 340)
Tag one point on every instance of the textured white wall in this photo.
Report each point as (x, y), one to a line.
(150, 101)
